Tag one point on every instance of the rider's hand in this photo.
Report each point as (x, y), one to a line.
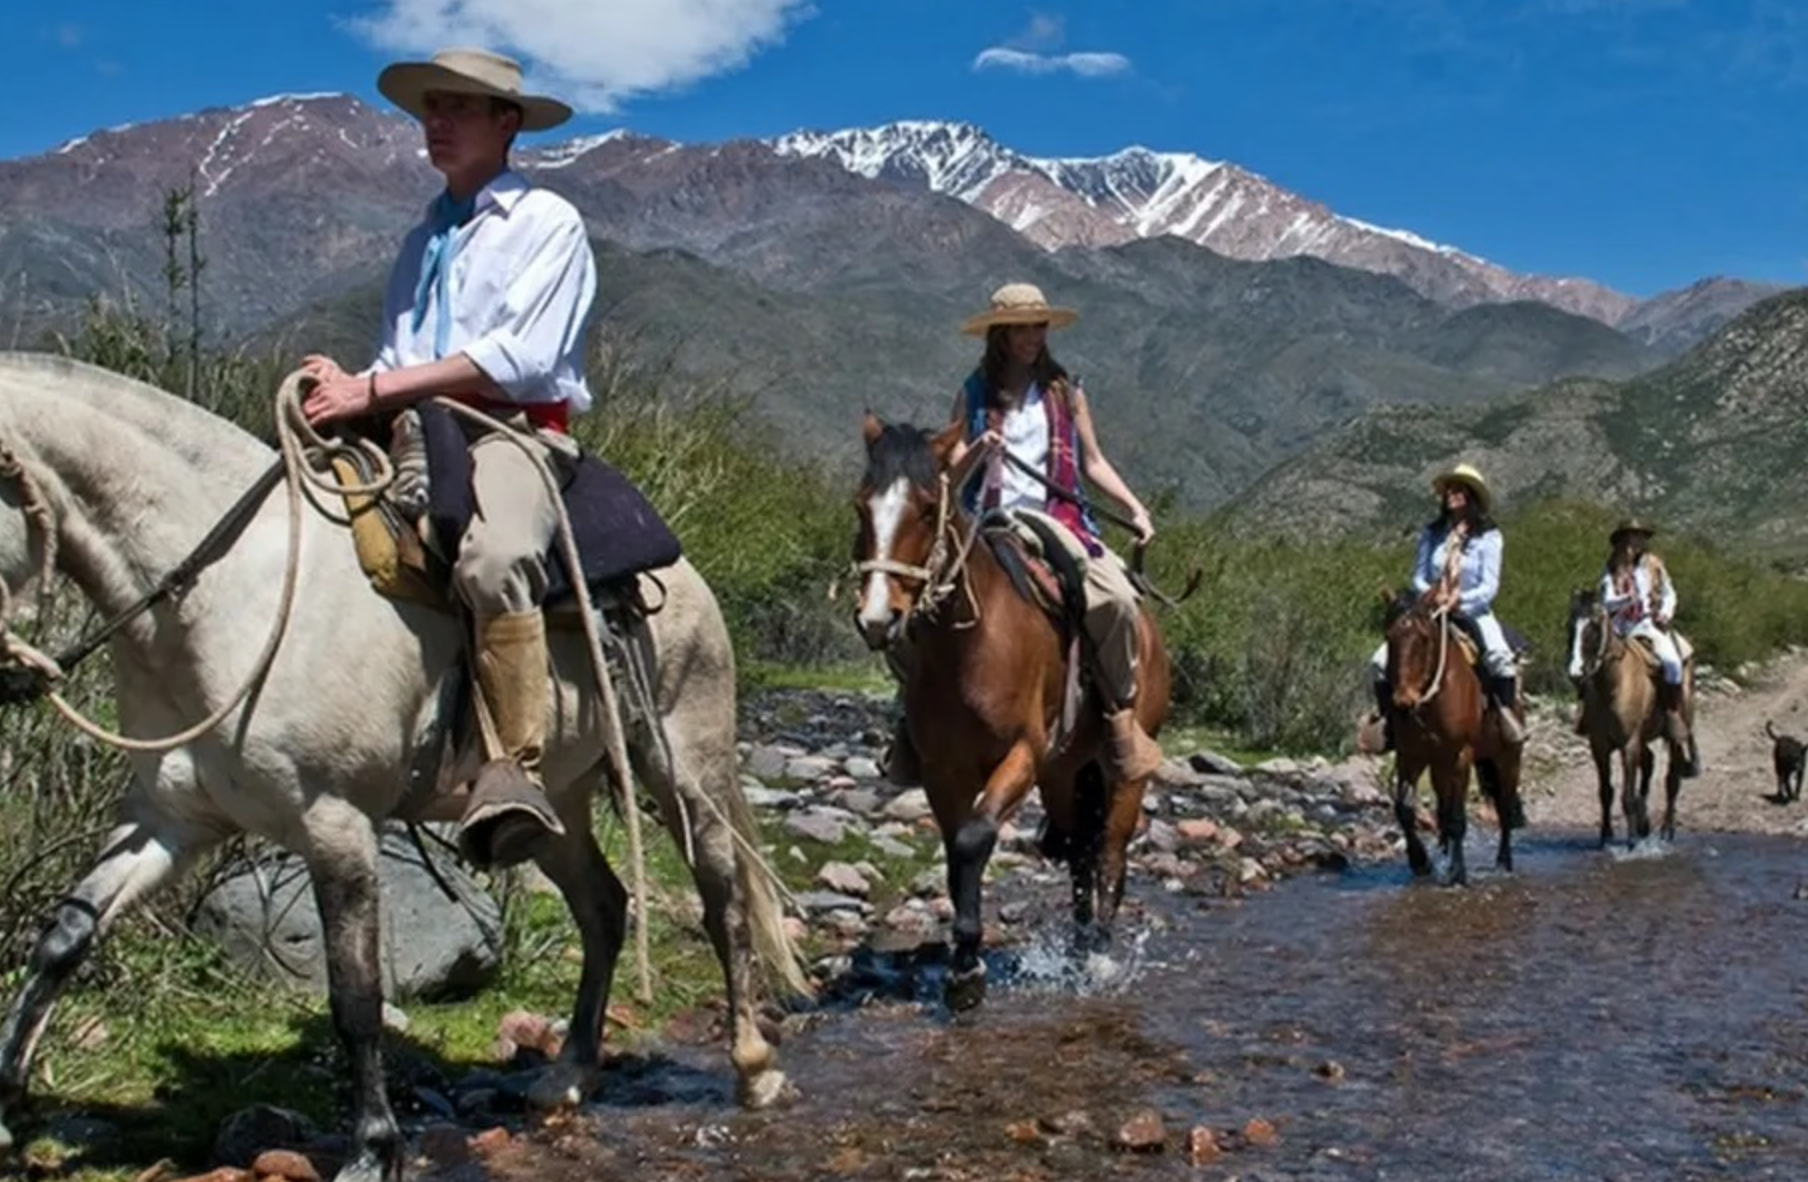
(1142, 527)
(341, 397)
(321, 368)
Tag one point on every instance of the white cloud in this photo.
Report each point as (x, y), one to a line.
(594, 54)
(1086, 65)
(1033, 51)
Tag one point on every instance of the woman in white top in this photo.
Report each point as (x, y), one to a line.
(1459, 563)
(1029, 447)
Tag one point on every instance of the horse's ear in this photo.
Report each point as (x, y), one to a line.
(943, 442)
(871, 428)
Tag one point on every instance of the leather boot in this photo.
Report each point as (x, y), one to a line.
(508, 815)
(903, 768)
(1376, 737)
(1506, 697)
(1676, 729)
(1130, 754)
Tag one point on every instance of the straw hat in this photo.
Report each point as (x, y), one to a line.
(1631, 525)
(1018, 303)
(468, 71)
(1469, 478)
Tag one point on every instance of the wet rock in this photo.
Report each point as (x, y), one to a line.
(1077, 1123)
(1144, 1132)
(1260, 1132)
(863, 768)
(489, 1141)
(1202, 1146)
(286, 1165)
(1330, 1069)
(913, 917)
(1014, 911)
(1163, 836)
(864, 802)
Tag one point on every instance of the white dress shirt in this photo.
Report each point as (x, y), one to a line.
(523, 280)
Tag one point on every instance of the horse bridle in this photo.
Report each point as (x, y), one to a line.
(28, 673)
(1603, 647)
(1441, 620)
(941, 572)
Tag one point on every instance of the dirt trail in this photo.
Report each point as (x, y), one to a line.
(1734, 790)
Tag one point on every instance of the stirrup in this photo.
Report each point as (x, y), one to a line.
(508, 817)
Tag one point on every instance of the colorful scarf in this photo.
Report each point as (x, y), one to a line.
(1064, 461)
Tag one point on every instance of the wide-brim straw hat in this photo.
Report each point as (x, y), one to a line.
(1018, 303)
(1469, 478)
(469, 71)
(1631, 525)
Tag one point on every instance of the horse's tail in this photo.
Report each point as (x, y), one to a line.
(781, 963)
(1769, 731)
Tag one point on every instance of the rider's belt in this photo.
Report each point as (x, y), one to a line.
(547, 416)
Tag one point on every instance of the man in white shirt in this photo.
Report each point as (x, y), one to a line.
(487, 305)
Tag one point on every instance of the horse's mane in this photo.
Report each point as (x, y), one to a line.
(38, 385)
(901, 450)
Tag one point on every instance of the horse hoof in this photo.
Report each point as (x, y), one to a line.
(965, 990)
(766, 1089)
(562, 1087)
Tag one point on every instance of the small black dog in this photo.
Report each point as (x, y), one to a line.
(1790, 756)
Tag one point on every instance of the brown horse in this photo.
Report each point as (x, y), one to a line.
(1621, 712)
(984, 677)
(1442, 724)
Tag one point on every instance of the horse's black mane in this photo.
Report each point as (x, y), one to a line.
(900, 450)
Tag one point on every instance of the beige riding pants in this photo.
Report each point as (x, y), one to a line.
(1111, 612)
(501, 563)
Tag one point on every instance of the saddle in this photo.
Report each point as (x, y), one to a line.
(618, 532)
(1042, 570)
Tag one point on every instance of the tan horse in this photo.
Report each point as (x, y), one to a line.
(1621, 712)
(1441, 725)
(983, 689)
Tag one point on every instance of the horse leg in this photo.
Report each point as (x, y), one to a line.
(136, 859)
(969, 846)
(1125, 813)
(1673, 770)
(1453, 816)
(341, 856)
(1083, 848)
(1646, 765)
(1604, 786)
(1407, 815)
(1629, 791)
(1493, 786)
(598, 903)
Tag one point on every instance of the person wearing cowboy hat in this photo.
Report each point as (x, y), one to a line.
(1458, 564)
(1640, 601)
(487, 305)
(1030, 447)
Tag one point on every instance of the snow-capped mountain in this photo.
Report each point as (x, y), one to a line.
(1138, 193)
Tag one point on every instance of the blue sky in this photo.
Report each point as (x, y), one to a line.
(1640, 143)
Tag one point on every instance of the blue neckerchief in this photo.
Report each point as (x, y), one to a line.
(436, 267)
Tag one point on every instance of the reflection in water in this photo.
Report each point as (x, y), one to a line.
(1592, 1017)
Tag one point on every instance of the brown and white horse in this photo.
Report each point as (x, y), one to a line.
(984, 674)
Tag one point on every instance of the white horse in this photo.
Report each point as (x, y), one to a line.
(320, 752)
